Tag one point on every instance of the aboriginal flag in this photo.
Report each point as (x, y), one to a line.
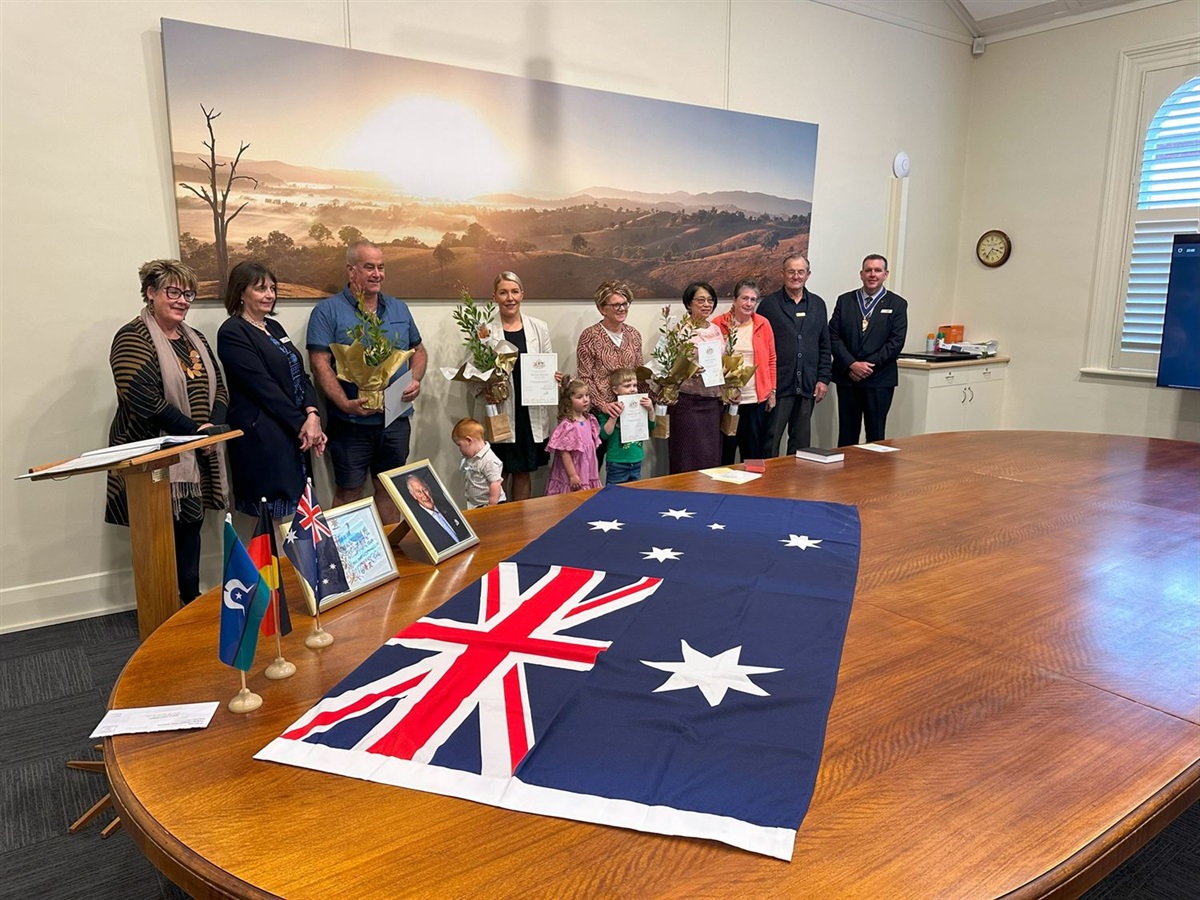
(264, 553)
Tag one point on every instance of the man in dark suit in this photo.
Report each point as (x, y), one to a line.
(800, 325)
(867, 332)
(441, 524)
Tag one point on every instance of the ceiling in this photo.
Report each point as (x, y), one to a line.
(992, 18)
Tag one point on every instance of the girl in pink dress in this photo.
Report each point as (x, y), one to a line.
(573, 443)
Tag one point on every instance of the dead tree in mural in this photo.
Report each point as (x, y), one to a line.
(218, 200)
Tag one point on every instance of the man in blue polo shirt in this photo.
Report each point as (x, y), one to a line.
(358, 441)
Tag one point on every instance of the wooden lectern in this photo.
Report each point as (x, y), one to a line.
(151, 531)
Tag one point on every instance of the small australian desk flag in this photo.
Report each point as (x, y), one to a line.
(309, 545)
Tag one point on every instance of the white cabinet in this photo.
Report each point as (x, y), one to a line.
(947, 396)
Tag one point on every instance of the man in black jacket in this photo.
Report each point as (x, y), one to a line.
(867, 332)
(802, 355)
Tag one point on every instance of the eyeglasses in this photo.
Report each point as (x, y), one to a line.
(617, 306)
(174, 293)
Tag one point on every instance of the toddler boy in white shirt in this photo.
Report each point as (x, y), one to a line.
(481, 468)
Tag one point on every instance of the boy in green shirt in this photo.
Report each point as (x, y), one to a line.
(623, 460)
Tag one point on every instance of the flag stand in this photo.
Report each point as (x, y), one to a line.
(308, 516)
(280, 668)
(319, 637)
(245, 700)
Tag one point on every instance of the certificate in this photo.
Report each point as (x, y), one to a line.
(635, 421)
(393, 406)
(708, 357)
(538, 387)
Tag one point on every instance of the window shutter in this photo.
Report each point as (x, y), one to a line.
(1146, 293)
(1168, 203)
(1171, 155)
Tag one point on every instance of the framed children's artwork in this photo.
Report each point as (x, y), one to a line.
(427, 508)
(363, 547)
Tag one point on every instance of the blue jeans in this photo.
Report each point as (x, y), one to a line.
(620, 473)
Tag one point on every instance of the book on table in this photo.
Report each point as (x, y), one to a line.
(816, 454)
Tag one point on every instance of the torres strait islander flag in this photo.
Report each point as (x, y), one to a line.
(658, 660)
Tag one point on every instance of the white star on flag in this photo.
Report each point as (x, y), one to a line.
(677, 514)
(803, 541)
(661, 554)
(716, 526)
(291, 537)
(601, 525)
(713, 675)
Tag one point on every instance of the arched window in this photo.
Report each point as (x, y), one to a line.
(1167, 203)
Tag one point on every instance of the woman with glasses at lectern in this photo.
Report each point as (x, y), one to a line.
(168, 383)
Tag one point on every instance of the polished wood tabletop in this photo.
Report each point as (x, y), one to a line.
(1017, 708)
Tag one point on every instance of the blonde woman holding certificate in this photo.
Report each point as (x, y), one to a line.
(526, 452)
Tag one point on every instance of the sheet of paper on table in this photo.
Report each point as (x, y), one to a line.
(144, 719)
(732, 476)
(878, 448)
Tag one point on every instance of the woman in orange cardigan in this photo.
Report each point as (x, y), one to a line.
(756, 345)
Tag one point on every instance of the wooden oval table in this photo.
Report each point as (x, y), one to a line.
(1017, 710)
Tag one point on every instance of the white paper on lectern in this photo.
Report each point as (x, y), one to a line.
(393, 406)
(635, 421)
(708, 357)
(144, 719)
(105, 456)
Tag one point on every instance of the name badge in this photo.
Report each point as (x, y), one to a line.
(801, 315)
(885, 310)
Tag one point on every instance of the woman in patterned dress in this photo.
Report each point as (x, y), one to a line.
(168, 383)
(608, 345)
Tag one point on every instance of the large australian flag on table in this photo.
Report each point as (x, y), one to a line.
(658, 660)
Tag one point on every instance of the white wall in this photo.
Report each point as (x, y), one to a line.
(1042, 107)
(87, 197)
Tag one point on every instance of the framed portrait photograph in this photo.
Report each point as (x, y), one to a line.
(428, 509)
(363, 547)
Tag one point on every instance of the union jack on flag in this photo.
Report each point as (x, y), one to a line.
(683, 690)
(316, 559)
(473, 666)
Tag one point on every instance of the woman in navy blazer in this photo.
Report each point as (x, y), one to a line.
(271, 397)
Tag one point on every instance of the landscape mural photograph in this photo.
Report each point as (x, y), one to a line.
(286, 151)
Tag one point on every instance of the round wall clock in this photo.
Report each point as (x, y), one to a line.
(993, 248)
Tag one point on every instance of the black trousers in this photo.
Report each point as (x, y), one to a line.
(187, 559)
(751, 437)
(859, 405)
(794, 413)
